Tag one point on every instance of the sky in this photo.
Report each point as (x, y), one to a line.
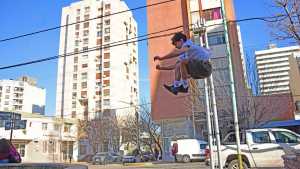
(19, 17)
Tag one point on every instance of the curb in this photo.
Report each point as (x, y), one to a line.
(141, 164)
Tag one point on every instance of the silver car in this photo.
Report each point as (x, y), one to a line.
(106, 158)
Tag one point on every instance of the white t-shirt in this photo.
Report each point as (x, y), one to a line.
(195, 52)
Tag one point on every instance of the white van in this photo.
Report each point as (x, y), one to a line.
(189, 149)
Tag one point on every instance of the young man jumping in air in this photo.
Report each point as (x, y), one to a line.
(193, 61)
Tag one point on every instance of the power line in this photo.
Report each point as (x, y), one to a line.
(113, 44)
(58, 27)
(106, 46)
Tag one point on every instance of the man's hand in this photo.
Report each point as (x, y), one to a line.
(157, 58)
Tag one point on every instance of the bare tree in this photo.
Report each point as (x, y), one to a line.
(102, 133)
(146, 131)
(287, 24)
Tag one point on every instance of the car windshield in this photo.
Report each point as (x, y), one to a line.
(285, 137)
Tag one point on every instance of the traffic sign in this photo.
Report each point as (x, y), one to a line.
(18, 124)
(8, 115)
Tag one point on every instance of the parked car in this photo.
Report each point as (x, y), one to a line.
(189, 149)
(148, 156)
(130, 159)
(259, 147)
(106, 157)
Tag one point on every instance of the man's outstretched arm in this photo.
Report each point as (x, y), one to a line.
(174, 53)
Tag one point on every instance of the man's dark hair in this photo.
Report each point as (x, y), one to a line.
(177, 37)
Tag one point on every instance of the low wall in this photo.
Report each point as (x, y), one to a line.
(292, 161)
(41, 166)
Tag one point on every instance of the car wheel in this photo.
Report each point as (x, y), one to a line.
(186, 158)
(234, 164)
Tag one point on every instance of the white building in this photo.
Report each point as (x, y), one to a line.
(22, 95)
(45, 139)
(274, 69)
(101, 79)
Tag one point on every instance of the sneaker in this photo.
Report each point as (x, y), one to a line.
(183, 89)
(172, 89)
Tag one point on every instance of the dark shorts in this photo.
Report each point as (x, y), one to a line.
(199, 69)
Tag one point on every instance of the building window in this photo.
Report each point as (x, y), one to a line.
(74, 95)
(75, 68)
(76, 43)
(77, 18)
(74, 76)
(76, 34)
(212, 14)
(106, 64)
(83, 94)
(86, 25)
(6, 103)
(106, 38)
(85, 32)
(76, 50)
(99, 25)
(106, 83)
(67, 127)
(106, 55)
(106, 102)
(99, 42)
(74, 86)
(6, 96)
(87, 9)
(84, 65)
(21, 149)
(85, 41)
(77, 26)
(84, 76)
(85, 48)
(75, 59)
(99, 33)
(107, 30)
(73, 114)
(84, 85)
(107, 6)
(106, 92)
(86, 17)
(44, 126)
(107, 22)
(216, 38)
(73, 104)
(106, 73)
(8, 89)
(98, 76)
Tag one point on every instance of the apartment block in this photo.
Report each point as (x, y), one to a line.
(22, 95)
(102, 73)
(278, 71)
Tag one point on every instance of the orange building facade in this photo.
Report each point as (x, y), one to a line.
(184, 115)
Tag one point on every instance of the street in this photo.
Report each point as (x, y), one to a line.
(193, 165)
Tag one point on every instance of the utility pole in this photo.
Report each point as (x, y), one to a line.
(233, 93)
(215, 111)
(12, 125)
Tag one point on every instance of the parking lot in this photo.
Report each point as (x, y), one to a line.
(194, 165)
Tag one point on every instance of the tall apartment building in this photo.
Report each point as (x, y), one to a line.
(22, 95)
(106, 78)
(180, 116)
(279, 72)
